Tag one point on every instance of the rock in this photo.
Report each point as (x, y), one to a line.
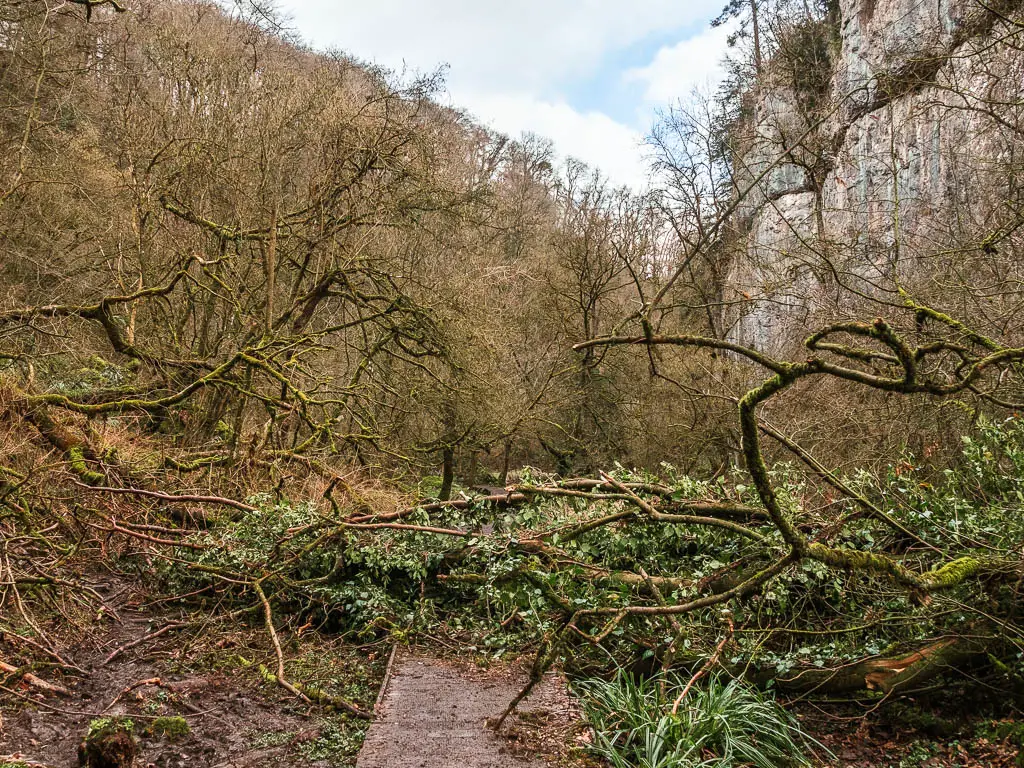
(904, 154)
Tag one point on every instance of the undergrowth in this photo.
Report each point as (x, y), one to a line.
(496, 597)
(720, 723)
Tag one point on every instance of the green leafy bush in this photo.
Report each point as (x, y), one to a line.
(976, 503)
(313, 568)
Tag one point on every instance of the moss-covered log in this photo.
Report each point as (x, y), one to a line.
(75, 449)
(892, 673)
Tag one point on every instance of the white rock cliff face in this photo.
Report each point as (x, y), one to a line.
(909, 159)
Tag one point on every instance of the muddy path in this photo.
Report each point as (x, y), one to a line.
(190, 688)
(197, 693)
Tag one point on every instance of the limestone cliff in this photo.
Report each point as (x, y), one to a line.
(911, 153)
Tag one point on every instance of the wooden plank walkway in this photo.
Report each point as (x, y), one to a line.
(433, 715)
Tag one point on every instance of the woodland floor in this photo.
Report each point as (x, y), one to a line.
(881, 740)
(208, 675)
(202, 673)
(434, 712)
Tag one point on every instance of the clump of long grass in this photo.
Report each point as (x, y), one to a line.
(721, 723)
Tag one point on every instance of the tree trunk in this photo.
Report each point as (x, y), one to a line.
(757, 37)
(505, 463)
(890, 674)
(447, 473)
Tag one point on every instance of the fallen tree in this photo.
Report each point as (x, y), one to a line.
(590, 593)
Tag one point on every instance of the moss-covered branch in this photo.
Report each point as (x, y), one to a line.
(946, 576)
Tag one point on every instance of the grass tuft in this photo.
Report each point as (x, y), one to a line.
(719, 724)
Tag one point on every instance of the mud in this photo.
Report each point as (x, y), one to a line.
(206, 672)
(234, 721)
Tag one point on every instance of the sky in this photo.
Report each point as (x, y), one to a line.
(590, 75)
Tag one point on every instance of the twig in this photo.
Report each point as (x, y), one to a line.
(832, 479)
(655, 514)
(170, 497)
(281, 680)
(81, 712)
(269, 620)
(121, 649)
(505, 499)
(151, 539)
(704, 668)
(18, 602)
(36, 682)
(130, 688)
(386, 680)
(18, 759)
(670, 652)
(6, 634)
(405, 527)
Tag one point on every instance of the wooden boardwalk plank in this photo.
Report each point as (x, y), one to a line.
(433, 715)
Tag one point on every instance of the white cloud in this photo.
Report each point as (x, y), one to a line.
(525, 44)
(515, 64)
(677, 70)
(592, 137)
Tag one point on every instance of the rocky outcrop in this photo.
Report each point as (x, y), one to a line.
(911, 155)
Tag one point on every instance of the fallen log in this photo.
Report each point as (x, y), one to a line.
(886, 674)
(33, 680)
